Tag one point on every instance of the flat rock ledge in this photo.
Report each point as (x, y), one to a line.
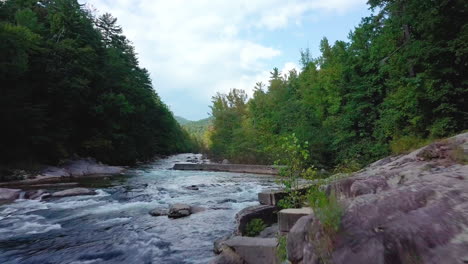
(407, 209)
(8, 195)
(239, 168)
(72, 168)
(73, 192)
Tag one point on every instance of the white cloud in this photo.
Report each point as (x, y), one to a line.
(200, 47)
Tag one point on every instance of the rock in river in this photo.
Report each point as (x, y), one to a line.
(74, 192)
(9, 194)
(179, 210)
(159, 212)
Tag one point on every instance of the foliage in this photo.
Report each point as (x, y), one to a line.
(254, 227)
(398, 80)
(406, 144)
(71, 85)
(281, 250)
(326, 208)
(293, 157)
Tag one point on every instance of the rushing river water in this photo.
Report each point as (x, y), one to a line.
(115, 227)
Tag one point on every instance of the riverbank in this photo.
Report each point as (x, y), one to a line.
(410, 208)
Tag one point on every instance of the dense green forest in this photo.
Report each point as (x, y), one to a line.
(71, 85)
(399, 80)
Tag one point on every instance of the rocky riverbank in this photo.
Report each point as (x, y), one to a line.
(56, 177)
(410, 208)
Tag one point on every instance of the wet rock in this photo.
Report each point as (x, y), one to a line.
(228, 200)
(228, 256)
(74, 192)
(192, 187)
(7, 195)
(267, 213)
(179, 210)
(159, 212)
(37, 194)
(218, 244)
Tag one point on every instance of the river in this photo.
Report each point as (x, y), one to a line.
(114, 226)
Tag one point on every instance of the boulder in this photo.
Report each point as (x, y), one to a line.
(218, 244)
(267, 213)
(74, 192)
(254, 250)
(7, 195)
(269, 232)
(179, 210)
(159, 212)
(225, 161)
(192, 187)
(288, 217)
(408, 209)
(36, 194)
(298, 237)
(227, 256)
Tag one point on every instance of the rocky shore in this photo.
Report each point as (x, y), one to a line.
(410, 208)
(32, 187)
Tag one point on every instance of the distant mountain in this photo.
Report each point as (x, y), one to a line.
(196, 128)
(182, 121)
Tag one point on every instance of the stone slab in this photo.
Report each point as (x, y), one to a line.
(288, 217)
(254, 250)
(240, 168)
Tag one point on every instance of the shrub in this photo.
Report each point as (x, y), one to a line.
(407, 143)
(254, 227)
(281, 250)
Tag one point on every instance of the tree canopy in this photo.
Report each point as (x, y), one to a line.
(399, 79)
(71, 85)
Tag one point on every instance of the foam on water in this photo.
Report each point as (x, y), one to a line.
(114, 226)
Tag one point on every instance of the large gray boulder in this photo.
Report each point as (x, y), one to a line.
(7, 195)
(179, 210)
(407, 209)
(73, 192)
(267, 213)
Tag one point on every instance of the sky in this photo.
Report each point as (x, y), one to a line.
(196, 48)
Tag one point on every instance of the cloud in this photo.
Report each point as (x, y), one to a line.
(196, 48)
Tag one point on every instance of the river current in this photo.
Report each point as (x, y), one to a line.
(114, 226)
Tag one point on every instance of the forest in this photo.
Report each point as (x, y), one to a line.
(71, 85)
(399, 81)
